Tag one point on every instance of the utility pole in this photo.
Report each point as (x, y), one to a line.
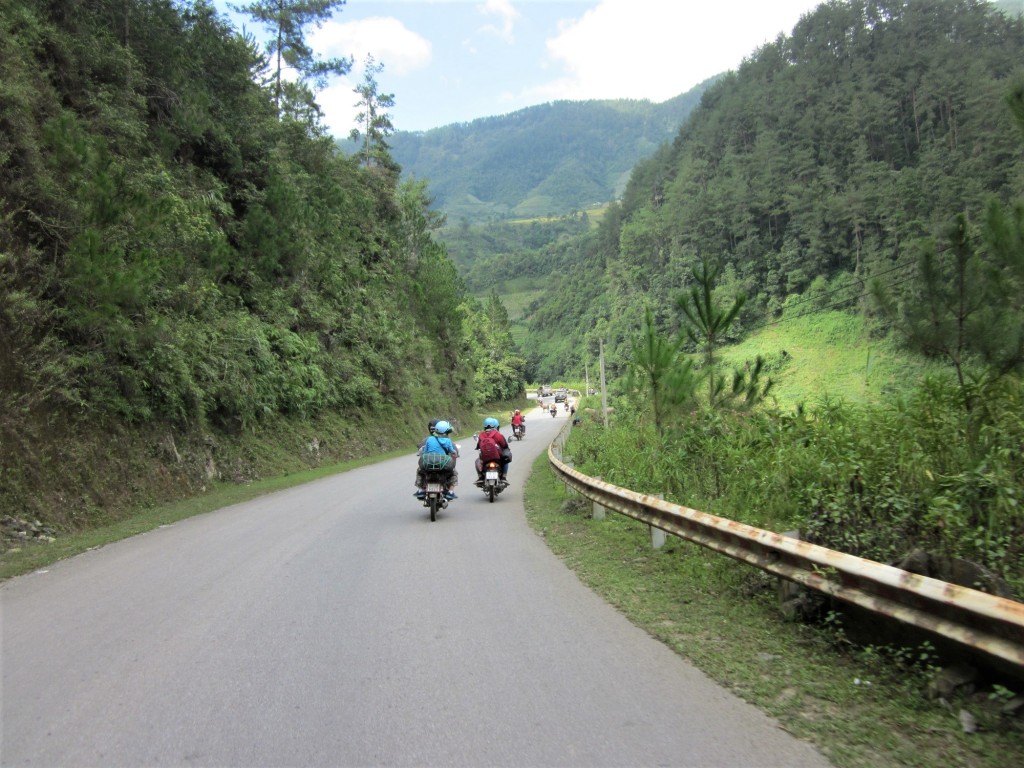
(604, 393)
(586, 376)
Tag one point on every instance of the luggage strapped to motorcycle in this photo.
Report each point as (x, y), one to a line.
(432, 461)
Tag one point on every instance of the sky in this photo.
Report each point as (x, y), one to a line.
(452, 61)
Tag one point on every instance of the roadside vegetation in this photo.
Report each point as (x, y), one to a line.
(863, 706)
(916, 449)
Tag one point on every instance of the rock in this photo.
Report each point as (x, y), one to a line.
(967, 722)
(19, 530)
(170, 449)
(951, 679)
(955, 571)
(1014, 707)
(576, 505)
(798, 603)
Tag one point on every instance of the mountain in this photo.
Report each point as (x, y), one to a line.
(828, 160)
(549, 159)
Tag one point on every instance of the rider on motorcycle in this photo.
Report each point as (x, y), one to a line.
(438, 442)
(518, 420)
(492, 446)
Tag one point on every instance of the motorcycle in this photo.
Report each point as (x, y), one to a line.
(434, 489)
(492, 484)
(517, 431)
(554, 411)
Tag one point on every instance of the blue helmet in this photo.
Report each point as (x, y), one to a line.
(491, 423)
(442, 427)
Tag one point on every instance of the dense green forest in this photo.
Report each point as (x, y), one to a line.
(186, 257)
(820, 164)
(501, 252)
(546, 160)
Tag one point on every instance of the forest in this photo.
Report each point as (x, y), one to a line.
(188, 259)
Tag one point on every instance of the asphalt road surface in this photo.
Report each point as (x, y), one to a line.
(333, 624)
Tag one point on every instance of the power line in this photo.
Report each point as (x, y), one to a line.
(828, 306)
(846, 287)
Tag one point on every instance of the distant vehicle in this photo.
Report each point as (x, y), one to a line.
(560, 397)
(544, 391)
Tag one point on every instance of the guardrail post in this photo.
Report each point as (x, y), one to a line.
(792, 596)
(657, 535)
(597, 511)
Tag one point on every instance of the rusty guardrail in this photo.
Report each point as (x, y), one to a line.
(971, 618)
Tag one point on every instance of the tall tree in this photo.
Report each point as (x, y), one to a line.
(288, 20)
(707, 321)
(942, 317)
(659, 370)
(374, 118)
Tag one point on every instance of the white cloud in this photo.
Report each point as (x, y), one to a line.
(388, 40)
(507, 14)
(656, 50)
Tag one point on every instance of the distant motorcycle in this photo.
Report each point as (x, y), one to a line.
(554, 410)
(517, 431)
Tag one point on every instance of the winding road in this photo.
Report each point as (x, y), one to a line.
(333, 624)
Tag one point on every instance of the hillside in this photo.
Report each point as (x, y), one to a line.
(194, 278)
(831, 158)
(545, 160)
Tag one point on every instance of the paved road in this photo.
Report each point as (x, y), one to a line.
(334, 625)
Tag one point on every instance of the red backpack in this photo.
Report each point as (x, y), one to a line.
(489, 448)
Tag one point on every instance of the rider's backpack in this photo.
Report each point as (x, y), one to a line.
(489, 448)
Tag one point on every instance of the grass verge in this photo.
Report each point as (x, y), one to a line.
(860, 707)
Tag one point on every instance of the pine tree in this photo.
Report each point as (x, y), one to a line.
(375, 120)
(288, 21)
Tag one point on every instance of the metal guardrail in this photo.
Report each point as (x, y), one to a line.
(968, 617)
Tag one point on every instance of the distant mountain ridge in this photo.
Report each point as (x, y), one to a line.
(549, 159)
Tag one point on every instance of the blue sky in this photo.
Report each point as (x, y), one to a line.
(449, 61)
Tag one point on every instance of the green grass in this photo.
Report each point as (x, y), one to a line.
(829, 355)
(859, 708)
(516, 302)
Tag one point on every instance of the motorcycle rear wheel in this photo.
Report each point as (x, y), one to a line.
(490, 493)
(433, 508)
